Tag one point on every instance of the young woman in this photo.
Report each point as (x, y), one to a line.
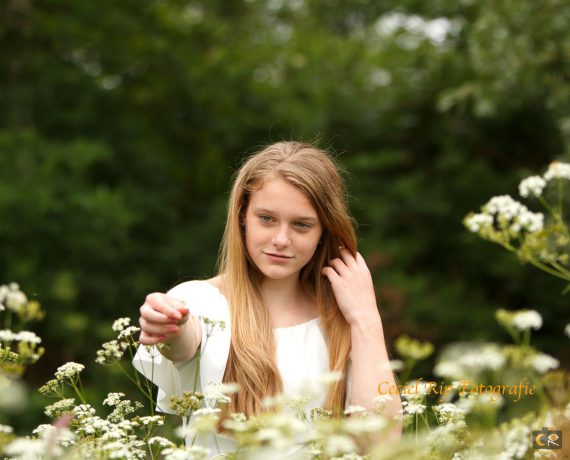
(296, 295)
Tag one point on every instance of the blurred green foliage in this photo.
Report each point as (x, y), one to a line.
(122, 123)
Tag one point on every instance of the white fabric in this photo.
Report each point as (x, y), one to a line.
(301, 355)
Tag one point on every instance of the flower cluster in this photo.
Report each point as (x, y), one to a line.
(502, 218)
(469, 361)
(113, 350)
(534, 238)
(521, 320)
(69, 371)
(12, 299)
(413, 349)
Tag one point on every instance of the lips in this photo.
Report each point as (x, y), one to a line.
(278, 255)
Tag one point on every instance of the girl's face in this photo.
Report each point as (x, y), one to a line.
(282, 229)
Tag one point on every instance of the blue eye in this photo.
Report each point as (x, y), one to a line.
(303, 225)
(265, 218)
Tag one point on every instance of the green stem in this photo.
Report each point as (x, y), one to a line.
(547, 269)
(561, 269)
(526, 338)
(78, 392)
(546, 205)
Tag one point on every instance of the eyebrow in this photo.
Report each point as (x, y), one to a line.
(269, 211)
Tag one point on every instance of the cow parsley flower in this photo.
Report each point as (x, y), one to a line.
(409, 407)
(6, 335)
(6, 429)
(567, 330)
(69, 370)
(112, 351)
(120, 324)
(475, 222)
(533, 185)
(15, 300)
(60, 407)
(527, 319)
(557, 170)
(542, 362)
(159, 440)
(113, 399)
(354, 410)
(128, 332)
(449, 413)
(27, 336)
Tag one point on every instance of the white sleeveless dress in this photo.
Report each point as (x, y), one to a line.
(301, 355)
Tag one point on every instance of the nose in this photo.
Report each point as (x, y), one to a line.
(281, 237)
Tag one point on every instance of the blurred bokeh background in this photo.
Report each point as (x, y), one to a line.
(122, 122)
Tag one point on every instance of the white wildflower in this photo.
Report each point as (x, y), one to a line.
(531, 221)
(505, 208)
(43, 428)
(162, 442)
(84, 411)
(337, 445)
(382, 399)
(6, 335)
(477, 221)
(517, 441)
(217, 392)
(121, 324)
(26, 448)
(557, 170)
(448, 369)
(396, 365)
(27, 336)
(449, 413)
(543, 363)
(544, 453)
(185, 453)
(69, 370)
(533, 185)
(60, 407)
(6, 429)
(152, 420)
(354, 410)
(527, 319)
(360, 425)
(112, 351)
(567, 330)
(113, 399)
(129, 331)
(15, 301)
(409, 407)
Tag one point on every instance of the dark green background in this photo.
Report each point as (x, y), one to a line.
(122, 122)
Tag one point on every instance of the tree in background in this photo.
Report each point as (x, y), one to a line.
(123, 122)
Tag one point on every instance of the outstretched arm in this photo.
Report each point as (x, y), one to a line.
(352, 284)
(165, 319)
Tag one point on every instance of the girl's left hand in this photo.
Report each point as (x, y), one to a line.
(352, 285)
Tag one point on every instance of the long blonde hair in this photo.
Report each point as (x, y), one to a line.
(251, 362)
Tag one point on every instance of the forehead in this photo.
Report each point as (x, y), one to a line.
(280, 196)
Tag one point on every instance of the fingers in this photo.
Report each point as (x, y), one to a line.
(347, 256)
(158, 328)
(330, 274)
(161, 316)
(147, 339)
(338, 265)
(165, 304)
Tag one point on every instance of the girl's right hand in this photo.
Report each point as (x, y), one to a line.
(161, 318)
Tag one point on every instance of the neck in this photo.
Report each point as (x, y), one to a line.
(282, 295)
